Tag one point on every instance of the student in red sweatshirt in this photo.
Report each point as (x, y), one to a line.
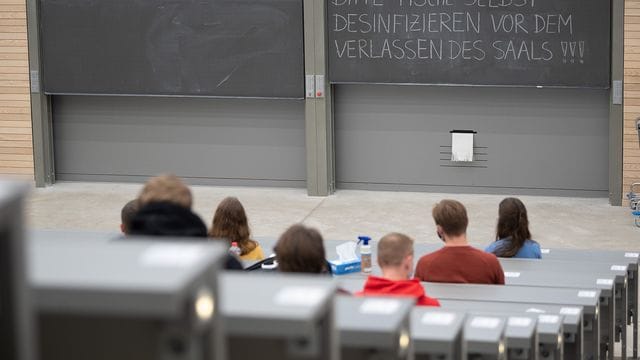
(457, 261)
(395, 257)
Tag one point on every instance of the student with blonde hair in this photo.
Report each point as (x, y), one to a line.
(166, 188)
(165, 210)
(230, 223)
(395, 257)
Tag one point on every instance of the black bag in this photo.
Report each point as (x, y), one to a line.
(267, 264)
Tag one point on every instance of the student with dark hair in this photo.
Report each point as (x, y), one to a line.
(395, 257)
(301, 250)
(126, 214)
(513, 238)
(230, 222)
(457, 261)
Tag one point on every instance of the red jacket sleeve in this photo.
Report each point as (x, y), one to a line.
(427, 301)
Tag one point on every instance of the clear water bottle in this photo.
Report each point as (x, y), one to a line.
(235, 249)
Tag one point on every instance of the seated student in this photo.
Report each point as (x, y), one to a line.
(513, 238)
(457, 261)
(126, 214)
(165, 210)
(230, 222)
(301, 250)
(395, 257)
(166, 188)
(167, 219)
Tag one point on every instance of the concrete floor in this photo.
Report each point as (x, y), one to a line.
(555, 221)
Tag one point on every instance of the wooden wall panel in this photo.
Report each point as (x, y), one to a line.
(16, 147)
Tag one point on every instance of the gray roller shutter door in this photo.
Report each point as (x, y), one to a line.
(529, 141)
(209, 141)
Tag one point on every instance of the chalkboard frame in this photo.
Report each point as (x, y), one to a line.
(513, 86)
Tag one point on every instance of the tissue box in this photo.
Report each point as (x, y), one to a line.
(345, 267)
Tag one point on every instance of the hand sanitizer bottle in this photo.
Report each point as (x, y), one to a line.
(365, 254)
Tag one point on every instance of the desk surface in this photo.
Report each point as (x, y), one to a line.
(484, 329)
(576, 262)
(606, 256)
(520, 330)
(435, 324)
(372, 314)
(570, 316)
(270, 296)
(436, 331)
(587, 298)
(143, 276)
(372, 322)
(516, 275)
(573, 267)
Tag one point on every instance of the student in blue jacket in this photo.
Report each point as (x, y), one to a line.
(513, 238)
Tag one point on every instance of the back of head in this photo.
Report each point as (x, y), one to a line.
(167, 219)
(166, 188)
(393, 249)
(513, 223)
(230, 222)
(301, 249)
(451, 215)
(127, 213)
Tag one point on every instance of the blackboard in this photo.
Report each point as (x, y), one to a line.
(559, 43)
(227, 48)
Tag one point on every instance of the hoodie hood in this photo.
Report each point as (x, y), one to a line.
(406, 288)
(167, 219)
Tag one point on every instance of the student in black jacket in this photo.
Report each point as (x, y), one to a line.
(165, 211)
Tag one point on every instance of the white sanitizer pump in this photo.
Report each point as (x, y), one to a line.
(365, 254)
